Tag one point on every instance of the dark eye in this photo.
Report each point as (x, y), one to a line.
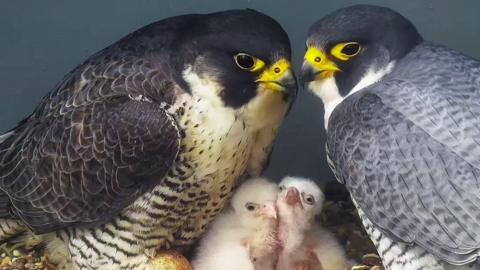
(351, 49)
(309, 199)
(251, 206)
(245, 61)
(282, 188)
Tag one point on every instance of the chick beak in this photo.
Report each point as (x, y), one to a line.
(292, 197)
(279, 77)
(269, 210)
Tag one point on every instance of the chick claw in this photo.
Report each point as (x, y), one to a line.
(170, 260)
(302, 265)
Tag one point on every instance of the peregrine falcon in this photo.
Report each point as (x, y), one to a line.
(403, 126)
(140, 146)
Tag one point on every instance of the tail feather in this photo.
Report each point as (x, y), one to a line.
(10, 228)
(5, 136)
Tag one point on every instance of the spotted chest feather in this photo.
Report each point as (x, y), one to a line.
(215, 149)
(214, 153)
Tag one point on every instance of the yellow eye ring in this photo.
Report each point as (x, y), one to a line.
(248, 62)
(346, 50)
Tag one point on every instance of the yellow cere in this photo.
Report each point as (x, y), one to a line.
(274, 74)
(320, 62)
(337, 51)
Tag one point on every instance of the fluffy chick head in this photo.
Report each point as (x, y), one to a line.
(299, 200)
(254, 201)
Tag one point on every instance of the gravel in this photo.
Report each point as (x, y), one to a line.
(340, 217)
(18, 259)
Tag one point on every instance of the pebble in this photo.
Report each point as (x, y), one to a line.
(24, 261)
(16, 253)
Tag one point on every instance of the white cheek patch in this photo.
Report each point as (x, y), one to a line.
(203, 87)
(327, 89)
(206, 92)
(372, 77)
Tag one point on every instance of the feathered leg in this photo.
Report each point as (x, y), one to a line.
(399, 256)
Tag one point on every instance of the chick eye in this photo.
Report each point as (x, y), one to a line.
(281, 188)
(345, 51)
(245, 61)
(251, 206)
(309, 199)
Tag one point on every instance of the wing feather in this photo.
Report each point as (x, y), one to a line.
(407, 149)
(89, 149)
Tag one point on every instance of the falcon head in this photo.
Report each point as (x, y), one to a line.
(299, 201)
(235, 56)
(352, 48)
(254, 202)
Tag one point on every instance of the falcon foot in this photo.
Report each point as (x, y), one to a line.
(303, 265)
(170, 260)
(369, 262)
(366, 267)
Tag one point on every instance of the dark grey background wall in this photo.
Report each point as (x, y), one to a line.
(40, 41)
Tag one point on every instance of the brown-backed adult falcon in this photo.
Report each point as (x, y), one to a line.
(140, 146)
(403, 125)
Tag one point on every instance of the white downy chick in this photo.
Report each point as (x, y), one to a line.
(244, 236)
(305, 245)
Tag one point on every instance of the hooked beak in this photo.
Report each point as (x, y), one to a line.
(269, 210)
(317, 66)
(279, 78)
(293, 196)
(308, 74)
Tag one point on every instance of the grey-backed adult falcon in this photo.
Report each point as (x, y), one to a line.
(403, 127)
(140, 146)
